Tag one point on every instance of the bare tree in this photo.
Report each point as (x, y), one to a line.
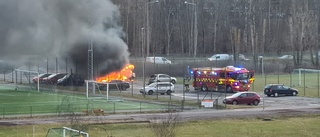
(165, 127)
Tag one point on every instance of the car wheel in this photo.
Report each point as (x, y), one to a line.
(204, 87)
(229, 89)
(256, 102)
(268, 95)
(294, 93)
(169, 92)
(173, 81)
(234, 102)
(276, 95)
(150, 92)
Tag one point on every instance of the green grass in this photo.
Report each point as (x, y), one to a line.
(308, 85)
(306, 126)
(30, 102)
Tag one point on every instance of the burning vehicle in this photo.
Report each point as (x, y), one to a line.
(118, 79)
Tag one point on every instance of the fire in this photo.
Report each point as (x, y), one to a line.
(124, 74)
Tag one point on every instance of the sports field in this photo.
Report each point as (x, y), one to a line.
(29, 103)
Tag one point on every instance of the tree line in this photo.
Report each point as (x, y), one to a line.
(201, 27)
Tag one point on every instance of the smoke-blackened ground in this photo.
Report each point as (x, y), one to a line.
(63, 28)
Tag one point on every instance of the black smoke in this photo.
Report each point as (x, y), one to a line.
(64, 28)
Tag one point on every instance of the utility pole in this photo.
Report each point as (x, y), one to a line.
(195, 31)
(148, 26)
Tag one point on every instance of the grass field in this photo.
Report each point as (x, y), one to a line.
(308, 84)
(30, 102)
(306, 126)
(14, 102)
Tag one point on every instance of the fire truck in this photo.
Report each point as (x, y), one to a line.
(229, 79)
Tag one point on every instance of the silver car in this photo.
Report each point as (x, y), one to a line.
(162, 78)
(158, 87)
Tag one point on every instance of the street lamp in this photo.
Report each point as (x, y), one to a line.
(195, 35)
(144, 60)
(148, 33)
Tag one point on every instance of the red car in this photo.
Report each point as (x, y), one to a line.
(243, 98)
(40, 77)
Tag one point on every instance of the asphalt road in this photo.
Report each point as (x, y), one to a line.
(266, 102)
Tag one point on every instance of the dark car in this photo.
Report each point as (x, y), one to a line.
(243, 98)
(115, 84)
(71, 80)
(279, 89)
(40, 77)
(52, 79)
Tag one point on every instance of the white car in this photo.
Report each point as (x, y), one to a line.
(158, 60)
(286, 57)
(162, 78)
(241, 57)
(158, 87)
(219, 57)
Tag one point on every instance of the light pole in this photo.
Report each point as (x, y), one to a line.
(144, 61)
(195, 35)
(148, 32)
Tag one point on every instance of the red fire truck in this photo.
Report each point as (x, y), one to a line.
(229, 79)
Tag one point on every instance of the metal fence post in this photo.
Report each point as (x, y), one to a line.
(140, 107)
(304, 82)
(290, 79)
(114, 107)
(182, 105)
(30, 111)
(168, 106)
(318, 81)
(278, 73)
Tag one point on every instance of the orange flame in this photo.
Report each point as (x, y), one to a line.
(124, 74)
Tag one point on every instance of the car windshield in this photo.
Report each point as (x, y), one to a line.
(237, 94)
(267, 86)
(53, 75)
(152, 85)
(215, 56)
(153, 77)
(43, 75)
(239, 76)
(65, 76)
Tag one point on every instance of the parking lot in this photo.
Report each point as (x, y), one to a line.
(267, 102)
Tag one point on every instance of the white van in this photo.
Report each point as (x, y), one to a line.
(219, 57)
(158, 60)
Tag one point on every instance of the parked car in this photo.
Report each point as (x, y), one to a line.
(158, 87)
(40, 77)
(53, 78)
(71, 80)
(286, 57)
(217, 57)
(241, 57)
(243, 98)
(162, 78)
(115, 84)
(279, 89)
(158, 60)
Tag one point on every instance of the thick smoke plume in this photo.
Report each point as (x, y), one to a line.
(63, 28)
